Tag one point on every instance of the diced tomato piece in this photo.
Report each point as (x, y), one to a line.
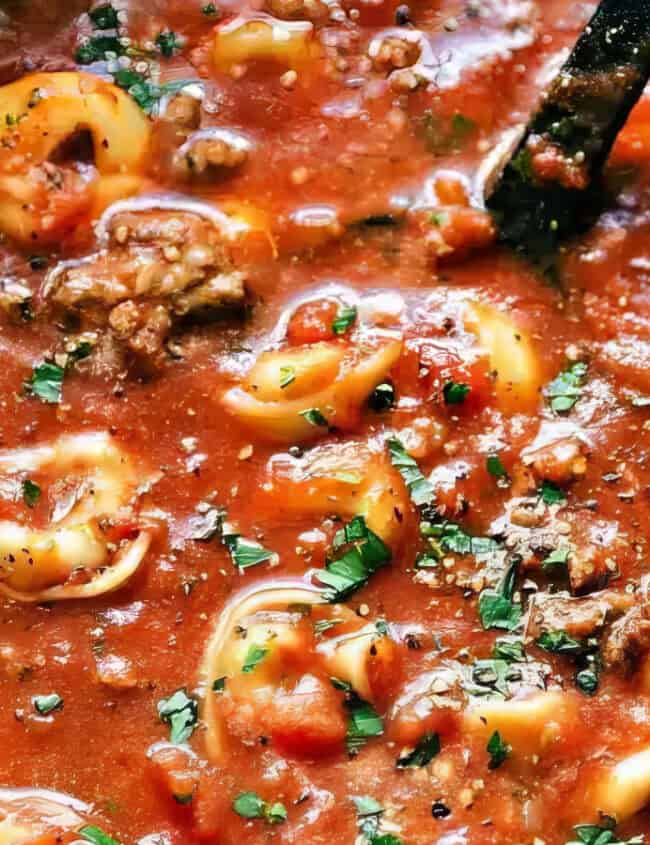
(310, 719)
(312, 322)
(176, 770)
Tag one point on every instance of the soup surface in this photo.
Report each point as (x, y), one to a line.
(323, 518)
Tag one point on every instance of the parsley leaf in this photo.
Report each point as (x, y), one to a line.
(287, 376)
(181, 714)
(419, 487)
(498, 750)
(104, 17)
(45, 704)
(364, 555)
(496, 607)
(96, 48)
(427, 748)
(363, 723)
(167, 43)
(551, 494)
(447, 536)
(455, 393)
(94, 834)
(593, 834)
(558, 557)
(315, 417)
(254, 656)
(209, 9)
(511, 651)
(559, 642)
(47, 382)
(495, 467)
(344, 320)
(245, 553)
(249, 805)
(565, 389)
(31, 492)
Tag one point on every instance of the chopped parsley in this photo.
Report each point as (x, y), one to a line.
(558, 557)
(382, 397)
(587, 681)
(419, 487)
(249, 805)
(455, 393)
(254, 656)
(104, 17)
(445, 536)
(495, 605)
(362, 554)
(495, 467)
(146, 93)
(315, 417)
(427, 748)
(345, 319)
(246, 553)
(167, 43)
(559, 642)
(31, 492)
(45, 704)
(98, 48)
(498, 750)
(46, 382)
(94, 834)
(551, 494)
(219, 684)
(364, 723)
(511, 651)
(287, 376)
(593, 834)
(565, 389)
(181, 714)
(209, 9)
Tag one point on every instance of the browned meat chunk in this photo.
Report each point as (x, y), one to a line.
(628, 638)
(579, 616)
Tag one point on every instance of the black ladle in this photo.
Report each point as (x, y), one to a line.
(582, 112)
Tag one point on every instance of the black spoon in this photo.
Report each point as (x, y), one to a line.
(551, 189)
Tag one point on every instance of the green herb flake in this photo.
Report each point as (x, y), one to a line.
(427, 748)
(559, 642)
(496, 607)
(364, 723)
(439, 218)
(219, 685)
(249, 805)
(462, 126)
(246, 553)
(498, 750)
(209, 9)
(287, 376)
(593, 834)
(510, 651)
(47, 382)
(345, 319)
(104, 17)
(168, 42)
(558, 557)
(45, 704)
(495, 467)
(323, 625)
(364, 554)
(566, 388)
(254, 656)
(587, 681)
(455, 393)
(31, 493)
(551, 494)
(419, 487)
(97, 48)
(315, 417)
(94, 834)
(180, 712)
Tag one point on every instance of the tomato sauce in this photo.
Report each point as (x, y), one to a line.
(350, 173)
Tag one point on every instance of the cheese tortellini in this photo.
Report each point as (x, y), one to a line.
(296, 394)
(287, 43)
(39, 817)
(346, 479)
(44, 191)
(72, 557)
(513, 357)
(268, 664)
(622, 790)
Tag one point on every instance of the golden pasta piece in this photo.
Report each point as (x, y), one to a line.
(46, 187)
(624, 789)
(530, 725)
(290, 44)
(37, 564)
(349, 480)
(297, 394)
(513, 357)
